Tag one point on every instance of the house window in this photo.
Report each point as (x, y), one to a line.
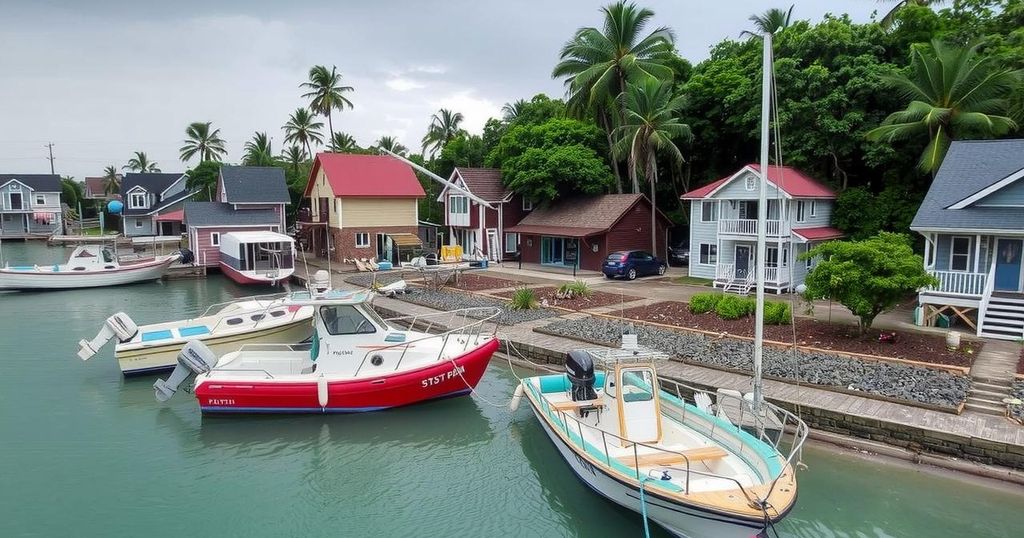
(458, 204)
(138, 223)
(801, 211)
(814, 207)
(960, 253)
(362, 240)
(708, 254)
(40, 199)
(708, 211)
(215, 239)
(751, 182)
(137, 200)
(511, 242)
(772, 257)
(809, 263)
(527, 205)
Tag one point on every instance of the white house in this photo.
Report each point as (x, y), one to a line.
(30, 205)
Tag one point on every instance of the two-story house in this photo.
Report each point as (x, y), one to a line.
(361, 206)
(478, 229)
(153, 203)
(30, 205)
(723, 227)
(972, 220)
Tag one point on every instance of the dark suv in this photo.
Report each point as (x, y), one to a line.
(631, 264)
(679, 254)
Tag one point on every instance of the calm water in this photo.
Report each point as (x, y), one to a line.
(84, 452)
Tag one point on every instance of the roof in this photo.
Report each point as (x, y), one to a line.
(36, 182)
(95, 185)
(820, 233)
(183, 195)
(259, 237)
(788, 179)
(580, 216)
(969, 167)
(254, 184)
(370, 176)
(219, 214)
(155, 183)
(406, 239)
(484, 182)
(172, 216)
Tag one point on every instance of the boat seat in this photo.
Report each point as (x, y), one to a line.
(156, 335)
(673, 458)
(573, 406)
(195, 330)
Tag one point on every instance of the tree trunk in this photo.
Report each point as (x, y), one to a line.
(603, 118)
(622, 121)
(652, 176)
(330, 127)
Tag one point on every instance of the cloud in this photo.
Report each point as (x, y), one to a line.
(400, 84)
(475, 110)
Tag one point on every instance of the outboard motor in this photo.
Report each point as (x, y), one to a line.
(579, 367)
(194, 358)
(320, 283)
(119, 325)
(185, 256)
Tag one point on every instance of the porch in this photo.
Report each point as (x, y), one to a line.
(29, 224)
(734, 268)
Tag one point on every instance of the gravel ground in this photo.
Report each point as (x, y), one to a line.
(899, 381)
(383, 278)
(1017, 411)
(452, 300)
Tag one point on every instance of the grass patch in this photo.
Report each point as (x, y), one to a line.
(692, 281)
(523, 299)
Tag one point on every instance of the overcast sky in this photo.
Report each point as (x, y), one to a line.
(103, 79)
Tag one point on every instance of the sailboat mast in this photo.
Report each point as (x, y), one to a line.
(762, 220)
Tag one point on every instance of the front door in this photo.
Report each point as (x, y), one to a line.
(1008, 254)
(493, 249)
(742, 261)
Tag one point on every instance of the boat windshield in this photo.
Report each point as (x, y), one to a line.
(345, 319)
(108, 257)
(637, 385)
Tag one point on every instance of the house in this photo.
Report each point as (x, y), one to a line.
(581, 232)
(95, 189)
(361, 206)
(972, 220)
(248, 198)
(723, 227)
(478, 229)
(149, 196)
(30, 205)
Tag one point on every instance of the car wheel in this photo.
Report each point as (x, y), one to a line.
(609, 277)
(631, 274)
(661, 269)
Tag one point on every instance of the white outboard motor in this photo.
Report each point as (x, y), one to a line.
(320, 283)
(119, 325)
(194, 358)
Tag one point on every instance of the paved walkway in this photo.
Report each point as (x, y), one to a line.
(992, 376)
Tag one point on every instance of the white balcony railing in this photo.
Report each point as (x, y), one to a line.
(772, 274)
(458, 219)
(773, 228)
(959, 282)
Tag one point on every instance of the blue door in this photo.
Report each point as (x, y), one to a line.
(1008, 253)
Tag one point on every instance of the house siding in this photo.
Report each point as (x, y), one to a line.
(138, 226)
(1010, 195)
(944, 249)
(201, 243)
(343, 241)
(322, 189)
(633, 232)
(701, 232)
(737, 189)
(368, 212)
(822, 213)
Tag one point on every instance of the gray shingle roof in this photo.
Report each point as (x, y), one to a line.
(218, 214)
(969, 167)
(37, 182)
(154, 183)
(484, 182)
(255, 184)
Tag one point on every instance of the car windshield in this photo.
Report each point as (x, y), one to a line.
(616, 256)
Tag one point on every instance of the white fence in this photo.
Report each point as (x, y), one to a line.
(773, 228)
(959, 282)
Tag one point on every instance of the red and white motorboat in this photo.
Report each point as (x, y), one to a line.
(356, 362)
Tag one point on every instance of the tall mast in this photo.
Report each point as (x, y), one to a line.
(762, 220)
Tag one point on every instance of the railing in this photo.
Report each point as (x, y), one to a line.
(773, 227)
(772, 274)
(458, 219)
(959, 282)
(725, 271)
(986, 295)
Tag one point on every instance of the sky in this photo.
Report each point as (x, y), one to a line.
(101, 80)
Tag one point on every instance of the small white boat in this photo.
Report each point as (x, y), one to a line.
(257, 257)
(89, 266)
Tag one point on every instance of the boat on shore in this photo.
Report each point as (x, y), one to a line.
(89, 266)
(355, 362)
(257, 257)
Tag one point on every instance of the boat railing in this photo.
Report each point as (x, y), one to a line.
(277, 301)
(217, 307)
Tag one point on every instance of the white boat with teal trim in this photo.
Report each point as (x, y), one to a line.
(89, 266)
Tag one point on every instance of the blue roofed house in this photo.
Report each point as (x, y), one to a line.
(30, 205)
(972, 220)
(153, 203)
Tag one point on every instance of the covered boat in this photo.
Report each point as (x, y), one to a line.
(356, 362)
(257, 257)
(88, 266)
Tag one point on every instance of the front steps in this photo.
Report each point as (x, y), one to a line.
(991, 378)
(1003, 319)
(986, 396)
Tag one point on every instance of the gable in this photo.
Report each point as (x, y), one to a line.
(736, 188)
(1011, 195)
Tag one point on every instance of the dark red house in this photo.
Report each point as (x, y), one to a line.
(482, 231)
(583, 231)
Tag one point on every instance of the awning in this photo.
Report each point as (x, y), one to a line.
(821, 233)
(406, 240)
(173, 216)
(562, 231)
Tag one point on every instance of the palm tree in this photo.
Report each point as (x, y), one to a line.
(772, 21)
(444, 126)
(258, 151)
(326, 93)
(511, 111)
(207, 144)
(140, 163)
(294, 156)
(342, 142)
(953, 94)
(111, 180)
(391, 144)
(652, 125)
(890, 18)
(302, 128)
(598, 64)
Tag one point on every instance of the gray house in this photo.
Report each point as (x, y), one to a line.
(723, 227)
(30, 205)
(972, 220)
(153, 203)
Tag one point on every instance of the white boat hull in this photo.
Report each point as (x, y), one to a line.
(11, 279)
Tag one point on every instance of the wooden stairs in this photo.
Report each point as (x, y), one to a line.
(991, 378)
(1003, 318)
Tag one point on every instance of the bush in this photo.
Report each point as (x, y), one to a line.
(777, 313)
(523, 299)
(573, 290)
(703, 303)
(734, 307)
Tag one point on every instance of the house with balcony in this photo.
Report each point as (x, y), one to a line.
(972, 220)
(30, 205)
(723, 227)
(481, 231)
(153, 203)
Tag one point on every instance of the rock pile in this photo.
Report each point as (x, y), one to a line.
(365, 280)
(1017, 411)
(453, 300)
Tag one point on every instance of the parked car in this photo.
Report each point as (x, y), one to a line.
(679, 254)
(632, 263)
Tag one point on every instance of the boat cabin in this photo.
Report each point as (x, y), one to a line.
(92, 258)
(257, 256)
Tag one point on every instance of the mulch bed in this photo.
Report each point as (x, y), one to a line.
(596, 299)
(1020, 363)
(471, 282)
(809, 332)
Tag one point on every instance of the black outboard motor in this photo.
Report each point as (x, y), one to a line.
(186, 256)
(579, 367)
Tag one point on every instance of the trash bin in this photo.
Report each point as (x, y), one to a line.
(944, 321)
(383, 266)
(918, 316)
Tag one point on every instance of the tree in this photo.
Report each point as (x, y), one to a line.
(652, 125)
(889, 19)
(391, 144)
(293, 156)
(111, 180)
(140, 163)
(326, 93)
(463, 150)
(343, 143)
(953, 94)
(597, 64)
(71, 192)
(511, 111)
(770, 22)
(444, 126)
(867, 277)
(258, 151)
(203, 178)
(303, 129)
(202, 142)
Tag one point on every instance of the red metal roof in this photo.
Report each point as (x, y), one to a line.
(173, 216)
(820, 233)
(371, 176)
(789, 180)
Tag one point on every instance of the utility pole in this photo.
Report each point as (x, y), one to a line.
(50, 146)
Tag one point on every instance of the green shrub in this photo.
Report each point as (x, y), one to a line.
(573, 290)
(523, 299)
(777, 313)
(734, 307)
(703, 303)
